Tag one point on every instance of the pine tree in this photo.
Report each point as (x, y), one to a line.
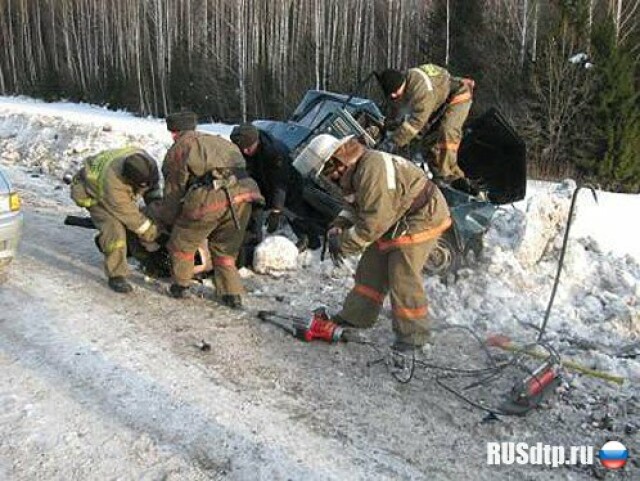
(559, 128)
(616, 162)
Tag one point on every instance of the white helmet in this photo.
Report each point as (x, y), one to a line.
(317, 152)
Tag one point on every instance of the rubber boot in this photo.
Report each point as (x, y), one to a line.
(178, 292)
(404, 346)
(119, 284)
(343, 322)
(400, 346)
(303, 243)
(233, 301)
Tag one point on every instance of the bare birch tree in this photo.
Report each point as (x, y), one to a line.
(448, 34)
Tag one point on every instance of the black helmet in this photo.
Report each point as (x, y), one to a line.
(140, 170)
(390, 80)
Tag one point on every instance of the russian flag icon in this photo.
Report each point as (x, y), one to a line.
(613, 455)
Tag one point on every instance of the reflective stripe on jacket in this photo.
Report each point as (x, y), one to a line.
(384, 187)
(91, 178)
(193, 157)
(100, 183)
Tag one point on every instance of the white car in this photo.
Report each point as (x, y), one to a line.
(10, 224)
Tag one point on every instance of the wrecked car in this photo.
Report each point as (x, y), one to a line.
(491, 153)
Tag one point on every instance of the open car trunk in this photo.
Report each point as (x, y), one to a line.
(492, 153)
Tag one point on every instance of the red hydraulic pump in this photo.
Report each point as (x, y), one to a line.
(528, 393)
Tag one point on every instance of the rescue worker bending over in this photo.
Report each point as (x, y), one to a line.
(415, 96)
(207, 194)
(109, 185)
(269, 164)
(394, 218)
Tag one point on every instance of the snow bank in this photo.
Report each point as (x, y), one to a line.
(54, 138)
(598, 298)
(55, 145)
(546, 217)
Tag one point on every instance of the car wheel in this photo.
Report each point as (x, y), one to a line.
(444, 258)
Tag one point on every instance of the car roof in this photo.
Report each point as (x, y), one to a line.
(314, 96)
(5, 185)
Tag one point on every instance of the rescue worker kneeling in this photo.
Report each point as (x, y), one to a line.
(208, 195)
(109, 185)
(395, 217)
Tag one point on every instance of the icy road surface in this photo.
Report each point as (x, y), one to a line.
(100, 386)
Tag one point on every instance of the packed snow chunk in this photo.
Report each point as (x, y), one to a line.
(275, 254)
(546, 219)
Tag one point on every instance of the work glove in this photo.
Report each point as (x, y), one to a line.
(255, 234)
(274, 220)
(152, 195)
(150, 246)
(149, 235)
(334, 245)
(392, 124)
(341, 223)
(388, 145)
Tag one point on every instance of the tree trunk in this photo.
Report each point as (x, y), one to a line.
(240, 32)
(523, 38)
(448, 35)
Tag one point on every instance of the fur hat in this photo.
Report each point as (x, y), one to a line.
(140, 169)
(390, 80)
(180, 121)
(244, 135)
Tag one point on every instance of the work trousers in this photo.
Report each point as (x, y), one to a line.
(112, 241)
(397, 272)
(444, 153)
(224, 238)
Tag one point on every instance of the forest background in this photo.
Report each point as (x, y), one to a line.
(564, 72)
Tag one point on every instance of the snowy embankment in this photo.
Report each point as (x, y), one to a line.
(596, 315)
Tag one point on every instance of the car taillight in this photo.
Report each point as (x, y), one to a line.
(14, 202)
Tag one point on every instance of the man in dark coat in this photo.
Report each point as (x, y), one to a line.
(269, 164)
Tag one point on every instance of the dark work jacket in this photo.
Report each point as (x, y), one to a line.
(271, 168)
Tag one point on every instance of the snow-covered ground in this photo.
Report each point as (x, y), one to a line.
(595, 321)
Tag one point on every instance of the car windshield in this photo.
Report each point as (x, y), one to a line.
(318, 113)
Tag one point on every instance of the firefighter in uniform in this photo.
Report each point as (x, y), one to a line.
(415, 96)
(207, 195)
(395, 217)
(109, 186)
